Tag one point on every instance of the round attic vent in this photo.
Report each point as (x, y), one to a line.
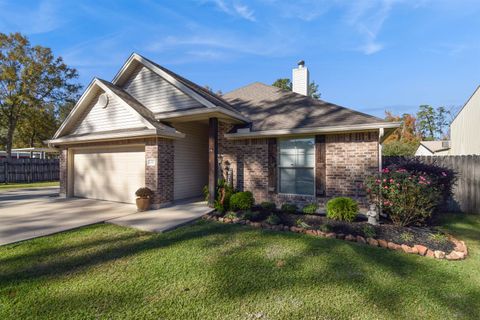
(103, 100)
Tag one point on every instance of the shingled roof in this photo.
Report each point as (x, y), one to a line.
(271, 108)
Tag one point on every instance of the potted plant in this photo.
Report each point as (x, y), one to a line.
(144, 197)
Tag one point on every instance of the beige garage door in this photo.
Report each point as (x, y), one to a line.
(109, 174)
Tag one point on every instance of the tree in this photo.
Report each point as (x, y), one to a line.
(36, 126)
(31, 79)
(283, 83)
(286, 84)
(404, 140)
(433, 123)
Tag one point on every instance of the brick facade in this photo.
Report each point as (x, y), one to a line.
(158, 177)
(63, 159)
(349, 159)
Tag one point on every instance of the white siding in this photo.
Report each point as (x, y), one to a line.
(465, 128)
(422, 151)
(191, 160)
(112, 174)
(115, 116)
(156, 93)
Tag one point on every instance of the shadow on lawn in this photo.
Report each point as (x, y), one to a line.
(349, 266)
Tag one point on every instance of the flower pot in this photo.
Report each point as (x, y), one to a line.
(143, 204)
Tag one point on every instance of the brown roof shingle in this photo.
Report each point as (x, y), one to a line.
(271, 108)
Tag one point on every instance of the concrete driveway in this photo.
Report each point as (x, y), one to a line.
(35, 212)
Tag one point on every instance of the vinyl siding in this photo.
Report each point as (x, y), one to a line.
(191, 160)
(115, 116)
(422, 151)
(156, 93)
(464, 129)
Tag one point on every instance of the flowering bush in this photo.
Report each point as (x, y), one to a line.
(407, 196)
(441, 177)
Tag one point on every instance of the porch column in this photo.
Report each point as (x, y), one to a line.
(212, 158)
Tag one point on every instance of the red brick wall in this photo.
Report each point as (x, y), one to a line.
(349, 159)
(63, 157)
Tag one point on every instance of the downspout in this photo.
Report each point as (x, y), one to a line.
(381, 133)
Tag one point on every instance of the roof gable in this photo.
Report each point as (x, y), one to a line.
(115, 116)
(471, 102)
(156, 93)
(123, 112)
(201, 95)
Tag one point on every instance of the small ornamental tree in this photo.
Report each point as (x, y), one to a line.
(407, 196)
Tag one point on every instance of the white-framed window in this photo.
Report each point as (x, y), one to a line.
(296, 166)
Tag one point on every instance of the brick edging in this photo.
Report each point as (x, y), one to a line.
(460, 251)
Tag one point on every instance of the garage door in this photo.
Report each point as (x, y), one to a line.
(112, 174)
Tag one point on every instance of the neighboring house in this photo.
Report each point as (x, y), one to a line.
(433, 148)
(37, 153)
(151, 127)
(465, 127)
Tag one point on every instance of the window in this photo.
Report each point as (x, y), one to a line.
(296, 166)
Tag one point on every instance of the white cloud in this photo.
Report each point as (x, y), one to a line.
(367, 17)
(43, 18)
(236, 9)
(244, 11)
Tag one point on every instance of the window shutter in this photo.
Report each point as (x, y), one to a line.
(272, 165)
(320, 166)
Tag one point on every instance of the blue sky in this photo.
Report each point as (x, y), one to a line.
(370, 55)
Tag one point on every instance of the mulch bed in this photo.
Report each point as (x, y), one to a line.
(420, 240)
(386, 231)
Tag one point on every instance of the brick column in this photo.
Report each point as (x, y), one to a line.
(63, 174)
(159, 167)
(212, 158)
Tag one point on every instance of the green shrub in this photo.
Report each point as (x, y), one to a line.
(439, 238)
(242, 201)
(302, 224)
(406, 236)
(252, 215)
(289, 208)
(342, 208)
(268, 206)
(369, 231)
(273, 219)
(310, 208)
(230, 215)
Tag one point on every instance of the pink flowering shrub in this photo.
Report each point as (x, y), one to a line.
(407, 197)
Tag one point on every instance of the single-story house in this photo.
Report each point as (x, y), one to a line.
(433, 148)
(151, 127)
(464, 128)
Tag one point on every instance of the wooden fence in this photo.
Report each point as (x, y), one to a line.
(466, 193)
(28, 170)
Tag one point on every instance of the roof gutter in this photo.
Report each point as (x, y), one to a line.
(328, 129)
(115, 136)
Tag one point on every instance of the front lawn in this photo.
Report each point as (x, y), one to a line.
(217, 271)
(10, 186)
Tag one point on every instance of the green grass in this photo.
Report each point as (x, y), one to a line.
(10, 186)
(215, 271)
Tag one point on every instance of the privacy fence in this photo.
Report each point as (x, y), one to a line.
(466, 194)
(28, 170)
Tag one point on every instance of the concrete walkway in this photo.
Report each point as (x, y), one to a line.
(165, 219)
(35, 212)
